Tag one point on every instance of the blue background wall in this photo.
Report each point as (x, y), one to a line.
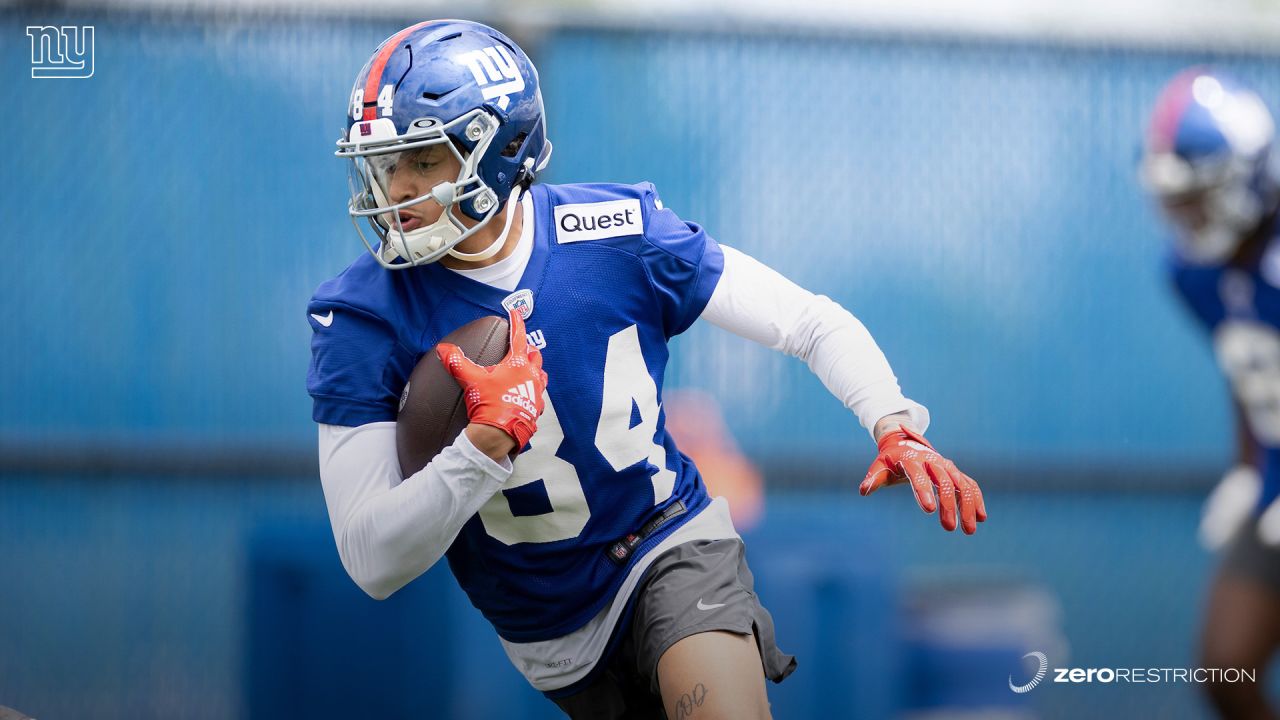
(974, 203)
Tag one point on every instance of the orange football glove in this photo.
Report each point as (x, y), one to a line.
(508, 395)
(905, 456)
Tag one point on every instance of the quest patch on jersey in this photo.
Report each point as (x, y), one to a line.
(593, 221)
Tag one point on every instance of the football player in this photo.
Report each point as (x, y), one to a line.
(616, 585)
(1210, 166)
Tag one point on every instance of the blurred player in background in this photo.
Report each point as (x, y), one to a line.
(617, 586)
(697, 426)
(1210, 165)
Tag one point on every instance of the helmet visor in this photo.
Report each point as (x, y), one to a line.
(401, 184)
(410, 188)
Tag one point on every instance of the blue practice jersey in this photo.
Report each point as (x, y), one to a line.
(612, 278)
(1240, 306)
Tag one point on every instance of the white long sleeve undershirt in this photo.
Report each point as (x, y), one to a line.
(756, 302)
(389, 532)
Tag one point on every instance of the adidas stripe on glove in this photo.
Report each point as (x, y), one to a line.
(905, 456)
(508, 395)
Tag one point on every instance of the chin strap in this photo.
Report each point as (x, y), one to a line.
(499, 241)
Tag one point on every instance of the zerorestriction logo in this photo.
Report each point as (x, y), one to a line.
(1035, 680)
(1116, 675)
(61, 52)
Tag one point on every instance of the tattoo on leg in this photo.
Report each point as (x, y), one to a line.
(690, 700)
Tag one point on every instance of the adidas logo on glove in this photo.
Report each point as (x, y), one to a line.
(522, 397)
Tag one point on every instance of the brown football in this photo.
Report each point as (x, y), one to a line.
(432, 411)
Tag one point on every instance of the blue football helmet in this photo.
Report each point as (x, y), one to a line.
(456, 84)
(1209, 162)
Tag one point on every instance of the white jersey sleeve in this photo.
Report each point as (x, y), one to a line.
(756, 302)
(389, 531)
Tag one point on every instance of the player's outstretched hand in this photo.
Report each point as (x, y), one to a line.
(508, 395)
(905, 456)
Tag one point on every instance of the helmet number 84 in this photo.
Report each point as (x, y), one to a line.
(384, 101)
(626, 380)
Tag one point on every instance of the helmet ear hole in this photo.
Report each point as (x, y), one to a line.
(513, 148)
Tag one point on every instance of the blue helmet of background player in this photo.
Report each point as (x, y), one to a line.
(453, 83)
(1209, 162)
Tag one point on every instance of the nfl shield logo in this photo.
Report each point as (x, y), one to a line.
(521, 300)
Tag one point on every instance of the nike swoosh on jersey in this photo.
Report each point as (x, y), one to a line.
(713, 606)
(325, 320)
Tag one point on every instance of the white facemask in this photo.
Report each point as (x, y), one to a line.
(420, 242)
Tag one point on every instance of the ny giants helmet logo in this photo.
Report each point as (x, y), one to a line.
(494, 64)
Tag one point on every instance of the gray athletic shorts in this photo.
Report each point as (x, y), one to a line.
(695, 587)
(1246, 555)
